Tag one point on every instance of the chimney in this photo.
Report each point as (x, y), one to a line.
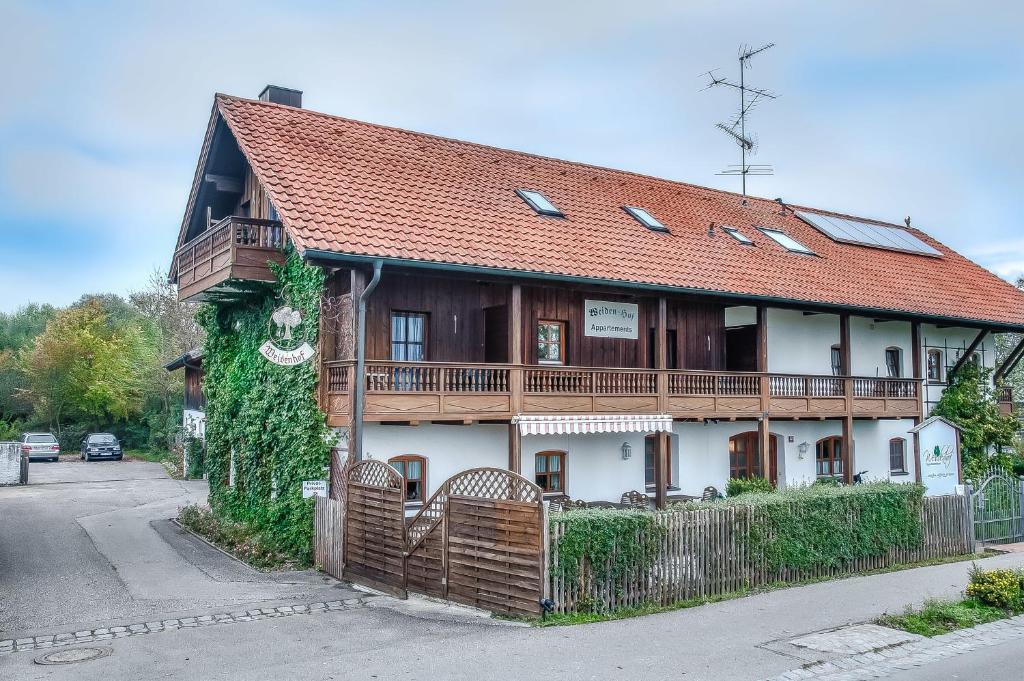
(282, 95)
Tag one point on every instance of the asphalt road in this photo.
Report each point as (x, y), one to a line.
(90, 542)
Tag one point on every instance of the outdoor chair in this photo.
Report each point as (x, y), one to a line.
(634, 499)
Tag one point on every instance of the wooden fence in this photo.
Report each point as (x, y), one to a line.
(329, 536)
(703, 555)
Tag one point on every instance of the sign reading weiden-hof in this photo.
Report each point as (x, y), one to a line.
(604, 319)
(286, 346)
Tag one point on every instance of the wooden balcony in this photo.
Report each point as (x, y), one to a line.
(220, 261)
(1006, 406)
(415, 391)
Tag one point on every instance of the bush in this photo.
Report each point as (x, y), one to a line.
(607, 542)
(825, 526)
(196, 450)
(738, 486)
(236, 538)
(998, 588)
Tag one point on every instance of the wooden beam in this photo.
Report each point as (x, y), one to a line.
(844, 344)
(847, 452)
(965, 357)
(1011, 362)
(762, 338)
(224, 183)
(515, 449)
(845, 359)
(661, 335)
(515, 322)
(662, 447)
(764, 438)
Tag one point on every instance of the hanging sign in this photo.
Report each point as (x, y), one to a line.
(604, 319)
(940, 456)
(287, 345)
(314, 488)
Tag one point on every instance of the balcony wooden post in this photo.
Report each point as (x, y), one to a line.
(515, 449)
(661, 354)
(516, 354)
(662, 450)
(357, 282)
(763, 426)
(844, 353)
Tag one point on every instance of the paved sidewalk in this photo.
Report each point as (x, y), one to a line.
(739, 640)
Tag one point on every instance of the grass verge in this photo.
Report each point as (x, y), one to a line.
(941, 617)
(237, 539)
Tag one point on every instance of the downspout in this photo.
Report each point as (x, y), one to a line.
(360, 394)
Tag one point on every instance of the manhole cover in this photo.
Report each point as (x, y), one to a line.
(72, 655)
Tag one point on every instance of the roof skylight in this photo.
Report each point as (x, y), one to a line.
(539, 203)
(738, 235)
(645, 218)
(786, 241)
(849, 231)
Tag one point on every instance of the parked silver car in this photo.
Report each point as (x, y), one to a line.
(100, 446)
(40, 446)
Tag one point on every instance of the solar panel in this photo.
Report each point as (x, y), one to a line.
(862, 233)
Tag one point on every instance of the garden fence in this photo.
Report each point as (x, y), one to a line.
(703, 554)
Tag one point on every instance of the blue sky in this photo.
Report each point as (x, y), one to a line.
(885, 109)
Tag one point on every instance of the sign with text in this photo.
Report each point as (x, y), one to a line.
(939, 457)
(604, 319)
(288, 344)
(314, 488)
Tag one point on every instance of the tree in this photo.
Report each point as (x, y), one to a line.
(1005, 343)
(972, 404)
(84, 367)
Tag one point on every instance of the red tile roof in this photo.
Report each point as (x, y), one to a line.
(356, 188)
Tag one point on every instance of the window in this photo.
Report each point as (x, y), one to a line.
(786, 241)
(935, 365)
(549, 469)
(650, 443)
(414, 470)
(837, 361)
(745, 456)
(897, 456)
(829, 456)
(408, 336)
(271, 211)
(550, 342)
(738, 235)
(539, 203)
(894, 362)
(645, 219)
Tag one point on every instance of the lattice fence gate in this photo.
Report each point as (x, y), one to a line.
(998, 504)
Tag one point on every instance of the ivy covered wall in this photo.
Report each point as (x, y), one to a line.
(265, 416)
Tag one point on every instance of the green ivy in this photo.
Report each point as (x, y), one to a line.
(608, 543)
(267, 414)
(830, 526)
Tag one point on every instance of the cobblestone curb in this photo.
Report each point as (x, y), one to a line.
(887, 661)
(107, 633)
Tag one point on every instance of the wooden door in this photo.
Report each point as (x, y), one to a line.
(496, 334)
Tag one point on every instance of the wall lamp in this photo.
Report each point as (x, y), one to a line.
(627, 451)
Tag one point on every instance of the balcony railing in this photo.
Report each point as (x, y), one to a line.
(403, 390)
(233, 248)
(1006, 405)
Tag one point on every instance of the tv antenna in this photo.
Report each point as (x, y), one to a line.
(736, 129)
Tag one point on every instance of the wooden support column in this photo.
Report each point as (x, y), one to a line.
(357, 283)
(516, 351)
(844, 353)
(764, 424)
(917, 374)
(662, 450)
(661, 353)
(515, 449)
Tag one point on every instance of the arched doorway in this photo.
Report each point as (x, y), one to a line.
(745, 460)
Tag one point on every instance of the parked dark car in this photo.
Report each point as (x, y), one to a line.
(100, 446)
(40, 446)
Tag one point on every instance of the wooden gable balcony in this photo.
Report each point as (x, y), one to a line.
(423, 391)
(1006, 400)
(219, 262)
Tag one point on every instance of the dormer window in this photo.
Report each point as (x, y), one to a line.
(786, 241)
(539, 203)
(738, 235)
(645, 219)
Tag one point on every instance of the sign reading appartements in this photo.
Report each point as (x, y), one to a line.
(604, 319)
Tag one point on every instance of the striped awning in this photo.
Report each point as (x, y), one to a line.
(583, 425)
